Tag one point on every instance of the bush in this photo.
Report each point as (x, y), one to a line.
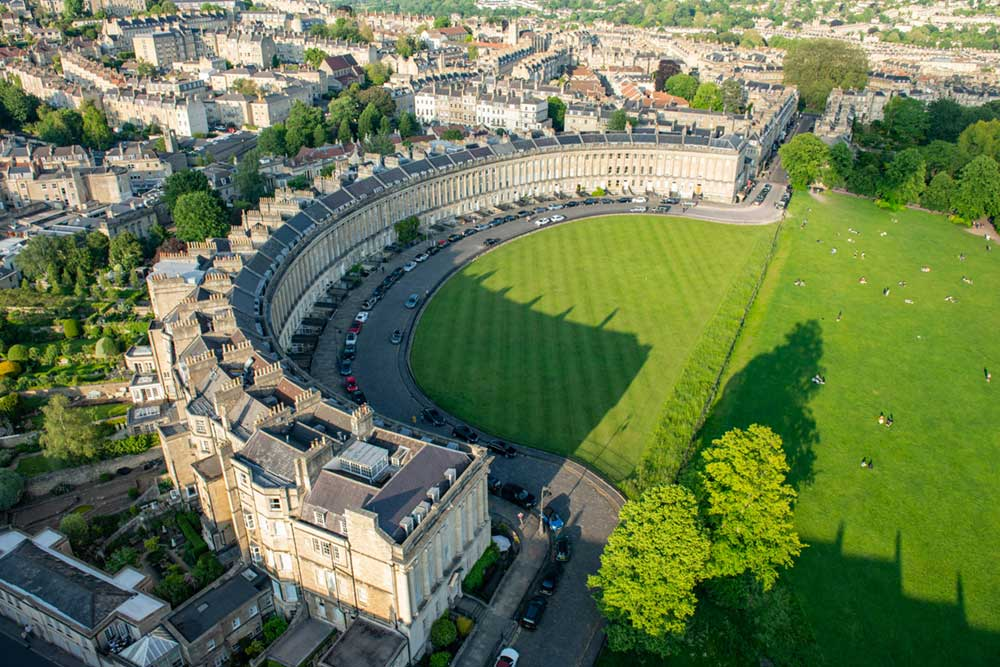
(474, 579)
(133, 444)
(443, 633)
(599, 192)
(120, 558)
(61, 489)
(106, 347)
(75, 527)
(7, 457)
(10, 405)
(440, 659)
(10, 368)
(11, 488)
(17, 353)
(133, 493)
(187, 523)
(254, 648)
(71, 328)
(105, 477)
(274, 628)
(174, 589)
(464, 625)
(207, 570)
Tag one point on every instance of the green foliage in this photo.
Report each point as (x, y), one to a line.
(682, 85)
(407, 45)
(67, 432)
(133, 444)
(341, 29)
(189, 525)
(664, 70)
(76, 528)
(443, 632)
(557, 112)
(249, 183)
(906, 121)
(96, 132)
(981, 138)
(464, 625)
(440, 659)
(174, 588)
(733, 96)
(120, 558)
(473, 581)
(80, 252)
(368, 121)
(708, 96)
(978, 193)
(817, 66)
(442, 22)
(618, 121)
(17, 108)
(125, 252)
(274, 628)
(937, 196)
(314, 57)
(181, 183)
(452, 134)
(407, 229)
(803, 158)
(653, 561)
(841, 164)
(748, 505)
(71, 328)
(409, 126)
(377, 73)
(200, 215)
(11, 488)
(10, 406)
(207, 570)
(271, 140)
(63, 127)
(300, 182)
(300, 127)
(904, 178)
(17, 352)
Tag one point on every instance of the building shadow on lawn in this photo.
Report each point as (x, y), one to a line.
(774, 389)
(862, 615)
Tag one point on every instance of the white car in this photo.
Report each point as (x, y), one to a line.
(409, 266)
(481, 228)
(638, 200)
(422, 257)
(637, 209)
(542, 221)
(508, 658)
(558, 218)
(362, 316)
(555, 207)
(352, 338)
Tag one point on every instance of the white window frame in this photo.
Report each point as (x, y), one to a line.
(249, 521)
(236, 623)
(274, 503)
(362, 592)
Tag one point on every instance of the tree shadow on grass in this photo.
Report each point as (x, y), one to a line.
(774, 390)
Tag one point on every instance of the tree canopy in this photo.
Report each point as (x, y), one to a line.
(817, 66)
(181, 183)
(682, 85)
(557, 112)
(67, 432)
(708, 96)
(200, 215)
(803, 158)
(125, 252)
(978, 193)
(11, 488)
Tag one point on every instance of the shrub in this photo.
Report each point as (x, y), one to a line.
(474, 579)
(443, 633)
(17, 352)
(75, 527)
(106, 347)
(120, 558)
(133, 493)
(274, 628)
(7, 457)
(464, 625)
(207, 570)
(599, 192)
(10, 406)
(254, 648)
(133, 444)
(71, 328)
(105, 477)
(10, 368)
(440, 659)
(174, 589)
(186, 522)
(11, 488)
(61, 489)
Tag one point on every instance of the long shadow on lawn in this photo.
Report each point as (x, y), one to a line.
(862, 615)
(774, 389)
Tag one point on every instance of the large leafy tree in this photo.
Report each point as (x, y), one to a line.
(682, 85)
(978, 192)
(314, 57)
(557, 112)
(271, 140)
(300, 126)
(733, 96)
(618, 121)
(181, 183)
(841, 163)
(803, 158)
(981, 138)
(368, 122)
(937, 196)
(748, 505)
(125, 252)
(906, 121)
(708, 96)
(378, 96)
(17, 108)
(200, 215)
(11, 488)
(817, 66)
(249, 183)
(68, 432)
(664, 70)
(904, 178)
(945, 119)
(63, 127)
(409, 126)
(653, 561)
(96, 131)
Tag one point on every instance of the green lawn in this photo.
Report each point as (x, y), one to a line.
(571, 339)
(39, 464)
(902, 567)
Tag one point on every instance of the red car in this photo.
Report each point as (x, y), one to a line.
(352, 387)
(355, 328)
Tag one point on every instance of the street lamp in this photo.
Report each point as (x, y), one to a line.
(541, 507)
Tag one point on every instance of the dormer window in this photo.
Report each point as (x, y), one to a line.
(319, 518)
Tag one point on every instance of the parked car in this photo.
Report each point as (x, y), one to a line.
(351, 387)
(550, 579)
(555, 207)
(502, 448)
(370, 303)
(412, 301)
(542, 222)
(558, 218)
(470, 231)
(524, 214)
(481, 227)
(359, 397)
(637, 209)
(563, 550)
(572, 203)
(362, 316)
(355, 328)
(638, 200)
(397, 337)
(554, 521)
(491, 242)
(454, 237)
(518, 495)
(463, 432)
(533, 613)
(663, 208)
(352, 338)
(507, 658)
(409, 266)
(348, 352)
(345, 367)
(432, 416)
(422, 257)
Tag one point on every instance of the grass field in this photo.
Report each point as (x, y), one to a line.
(902, 565)
(570, 339)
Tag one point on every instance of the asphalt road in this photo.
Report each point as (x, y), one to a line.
(572, 630)
(15, 654)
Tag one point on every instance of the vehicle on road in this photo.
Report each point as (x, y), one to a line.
(550, 579)
(409, 266)
(370, 303)
(349, 351)
(359, 397)
(362, 316)
(524, 214)
(673, 201)
(533, 613)
(422, 257)
(555, 207)
(355, 328)
(637, 209)
(507, 658)
(432, 416)
(352, 338)
(481, 227)
(663, 208)
(553, 520)
(412, 301)
(463, 432)
(502, 448)
(470, 231)
(345, 367)
(573, 203)
(518, 495)
(491, 242)
(541, 222)
(454, 237)
(563, 550)
(396, 338)
(558, 218)
(638, 200)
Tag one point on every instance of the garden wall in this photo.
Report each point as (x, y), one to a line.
(42, 484)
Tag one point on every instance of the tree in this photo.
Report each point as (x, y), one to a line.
(748, 505)
(937, 196)
(617, 121)
(817, 66)
(181, 183)
(63, 127)
(200, 215)
(841, 163)
(409, 126)
(733, 96)
(300, 126)
(17, 108)
(751, 39)
(904, 178)
(452, 134)
(368, 121)
(125, 252)
(344, 135)
(271, 140)
(708, 96)
(978, 192)
(17, 352)
(314, 57)
(145, 69)
(378, 96)
(557, 112)
(442, 22)
(71, 328)
(249, 183)
(105, 348)
(75, 527)
(174, 588)
(407, 230)
(905, 121)
(67, 432)
(72, 8)
(664, 70)
(682, 85)
(653, 561)
(945, 120)
(274, 628)
(981, 138)
(440, 659)
(803, 157)
(246, 87)
(11, 488)
(207, 570)
(341, 108)
(377, 73)
(407, 45)
(943, 156)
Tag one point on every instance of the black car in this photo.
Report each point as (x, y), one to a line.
(345, 367)
(608, 201)
(623, 200)
(432, 416)
(673, 201)
(491, 242)
(348, 353)
(589, 202)
(663, 208)
(550, 580)
(524, 214)
(571, 204)
(493, 485)
(359, 397)
(518, 495)
(469, 232)
(433, 250)
(397, 273)
(463, 432)
(563, 551)
(533, 613)
(454, 237)
(502, 448)
(541, 209)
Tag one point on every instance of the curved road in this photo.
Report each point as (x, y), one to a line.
(571, 631)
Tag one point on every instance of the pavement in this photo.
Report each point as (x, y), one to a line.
(36, 652)
(571, 632)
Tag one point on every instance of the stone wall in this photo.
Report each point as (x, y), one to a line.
(88, 474)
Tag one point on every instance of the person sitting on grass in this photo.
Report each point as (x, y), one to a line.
(881, 418)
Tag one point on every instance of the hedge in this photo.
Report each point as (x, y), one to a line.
(474, 579)
(133, 444)
(71, 328)
(192, 535)
(684, 411)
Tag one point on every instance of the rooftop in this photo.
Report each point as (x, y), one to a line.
(202, 612)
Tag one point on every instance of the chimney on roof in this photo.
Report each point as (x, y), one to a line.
(302, 480)
(362, 422)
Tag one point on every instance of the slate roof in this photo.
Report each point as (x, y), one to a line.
(364, 643)
(204, 611)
